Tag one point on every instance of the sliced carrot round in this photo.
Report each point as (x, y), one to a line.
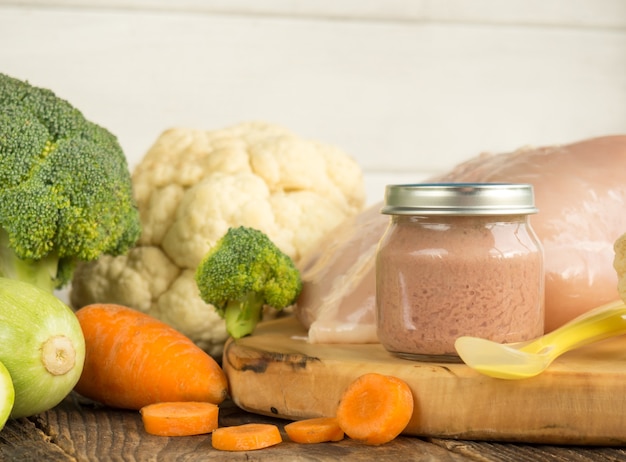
(180, 418)
(375, 408)
(246, 437)
(315, 430)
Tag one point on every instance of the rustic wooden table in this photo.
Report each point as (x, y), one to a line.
(75, 431)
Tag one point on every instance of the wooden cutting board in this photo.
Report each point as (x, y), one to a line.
(580, 399)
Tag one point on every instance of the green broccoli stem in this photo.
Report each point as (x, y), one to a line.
(242, 315)
(41, 273)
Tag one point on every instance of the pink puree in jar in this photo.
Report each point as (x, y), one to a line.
(458, 259)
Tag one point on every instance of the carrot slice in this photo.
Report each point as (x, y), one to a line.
(180, 418)
(375, 408)
(246, 437)
(315, 430)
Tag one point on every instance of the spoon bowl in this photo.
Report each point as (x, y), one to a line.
(502, 361)
(528, 359)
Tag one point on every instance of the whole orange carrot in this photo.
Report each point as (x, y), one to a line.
(133, 360)
(314, 430)
(246, 437)
(375, 408)
(180, 419)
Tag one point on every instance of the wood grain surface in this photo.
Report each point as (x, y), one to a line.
(84, 432)
(76, 431)
(580, 399)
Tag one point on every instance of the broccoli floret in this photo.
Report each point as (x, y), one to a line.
(65, 188)
(241, 274)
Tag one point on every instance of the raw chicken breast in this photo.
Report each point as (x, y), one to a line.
(580, 190)
(337, 303)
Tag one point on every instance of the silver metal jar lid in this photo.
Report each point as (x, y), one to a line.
(459, 199)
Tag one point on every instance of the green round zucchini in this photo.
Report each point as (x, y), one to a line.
(7, 395)
(42, 346)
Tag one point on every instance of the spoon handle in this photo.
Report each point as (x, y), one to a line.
(603, 322)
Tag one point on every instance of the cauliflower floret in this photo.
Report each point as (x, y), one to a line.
(190, 187)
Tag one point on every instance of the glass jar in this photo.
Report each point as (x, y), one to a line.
(457, 259)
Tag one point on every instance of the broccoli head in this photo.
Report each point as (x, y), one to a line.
(65, 188)
(242, 273)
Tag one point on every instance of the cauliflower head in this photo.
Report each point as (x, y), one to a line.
(191, 187)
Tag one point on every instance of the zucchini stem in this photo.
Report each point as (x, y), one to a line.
(58, 355)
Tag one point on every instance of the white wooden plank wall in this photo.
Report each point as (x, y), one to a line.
(408, 87)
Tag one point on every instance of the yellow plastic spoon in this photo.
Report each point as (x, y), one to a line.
(528, 359)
